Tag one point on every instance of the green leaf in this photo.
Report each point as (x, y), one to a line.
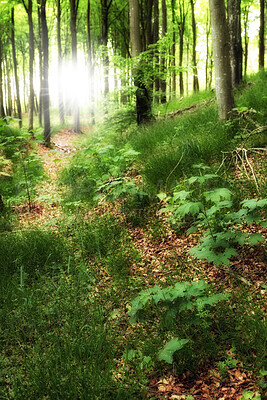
(162, 196)
(255, 238)
(218, 194)
(192, 208)
(193, 229)
(166, 354)
(183, 195)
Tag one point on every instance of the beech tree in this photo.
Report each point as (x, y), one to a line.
(261, 35)
(221, 54)
(236, 52)
(14, 56)
(74, 4)
(28, 8)
(45, 84)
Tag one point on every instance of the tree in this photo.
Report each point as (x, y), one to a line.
(221, 50)
(74, 4)
(261, 35)
(236, 53)
(181, 30)
(28, 9)
(2, 111)
(194, 54)
(105, 6)
(163, 58)
(45, 83)
(59, 52)
(143, 100)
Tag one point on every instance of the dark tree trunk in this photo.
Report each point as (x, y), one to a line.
(155, 40)
(194, 55)
(73, 29)
(45, 85)
(181, 29)
(173, 75)
(163, 58)
(19, 113)
(90, 63)
(59, 49)
(261, 35)
(246, 38)
(234, 24)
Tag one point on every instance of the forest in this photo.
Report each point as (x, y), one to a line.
(133, 199)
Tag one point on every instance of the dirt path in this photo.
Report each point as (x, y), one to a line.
(46, 206)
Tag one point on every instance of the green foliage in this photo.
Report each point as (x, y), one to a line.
(210, 210)
(35, 251)
(189, 301)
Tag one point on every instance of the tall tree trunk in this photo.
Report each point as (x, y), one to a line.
(163, 58)
(194, 54)
(105, 6)
(8, 87)
(2, 111)
(45, 85)
(143, 100)
(156, 52)
(173, 75)
(207, 52)
(135, 36)
(74, 4)
(90, 63)
(181, 29)
(28, 8)
(220, 42)
(246, 38)
(40, 52)
(261, 35)
(234, 23)
(15, 66)
(59, 50)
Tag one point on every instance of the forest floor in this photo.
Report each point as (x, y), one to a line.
(249, 268)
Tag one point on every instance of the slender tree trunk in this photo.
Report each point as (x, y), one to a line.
(261, 35)
(220, 42)
(59, 49)
(15, 66)
(156, 52)
(90, 63)
(28, 9)
(181, 28)
(2, 111)
(45, 85)
(194, 55)
(173, 76)
(246, 38)
(40, 51)
(105, 6)
(163, 58)
(8, 87)
(74, 4)
(234, 23)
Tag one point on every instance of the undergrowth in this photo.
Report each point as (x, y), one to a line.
(84, 313)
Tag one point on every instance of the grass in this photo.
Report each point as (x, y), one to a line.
(65, 294)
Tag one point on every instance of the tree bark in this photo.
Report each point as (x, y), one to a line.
(135, 36)
(163, 85)
(59, 49)
(236, 52)
(2, 111)
(105, 6)
(194, 54)
(261, 35)
(40, 52)
(220, 42)
(74, 4)
(181, 29)
(19, 113)
(90, 63)
(28, 9)
(45, 85)
(173, 75)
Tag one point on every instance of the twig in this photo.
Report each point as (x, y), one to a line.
(168, 177)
